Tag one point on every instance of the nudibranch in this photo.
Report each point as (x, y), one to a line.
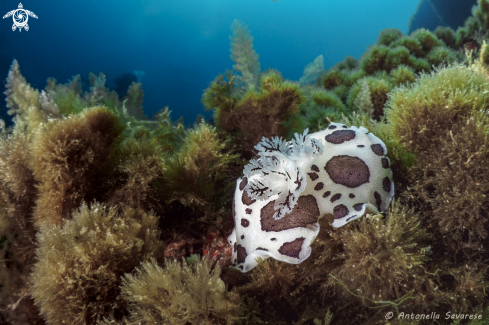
(343, 171)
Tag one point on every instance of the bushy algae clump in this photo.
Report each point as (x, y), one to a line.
(64, 155)
(72, 162)
(259, 112)
(392, 61)
(442, 119)
(80, 263)
(180, 293)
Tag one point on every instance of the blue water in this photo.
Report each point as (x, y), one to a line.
(182, 45)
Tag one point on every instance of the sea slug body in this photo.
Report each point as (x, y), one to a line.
(343, 171)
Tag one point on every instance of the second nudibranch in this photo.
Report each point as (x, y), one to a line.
(343, 171)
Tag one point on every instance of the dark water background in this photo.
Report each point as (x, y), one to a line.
(182, 45)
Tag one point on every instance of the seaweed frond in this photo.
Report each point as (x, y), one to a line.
(22, 100)
(141, 168)
(243, 54)
(385, 258)
(258, 113)
(379, 303)
(197, 173)
(72, 160)
(179, 294)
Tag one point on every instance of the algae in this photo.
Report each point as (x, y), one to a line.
(109, 217)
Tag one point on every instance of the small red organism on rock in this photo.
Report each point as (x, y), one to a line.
(216, 247)
(181, 248)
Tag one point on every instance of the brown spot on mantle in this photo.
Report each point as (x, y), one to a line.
(293, 248)
(305, 212)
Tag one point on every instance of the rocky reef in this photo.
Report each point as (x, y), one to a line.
(108, 217)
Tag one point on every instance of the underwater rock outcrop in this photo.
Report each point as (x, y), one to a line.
(432, 13)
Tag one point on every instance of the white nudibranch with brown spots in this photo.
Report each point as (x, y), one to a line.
(343, 171)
